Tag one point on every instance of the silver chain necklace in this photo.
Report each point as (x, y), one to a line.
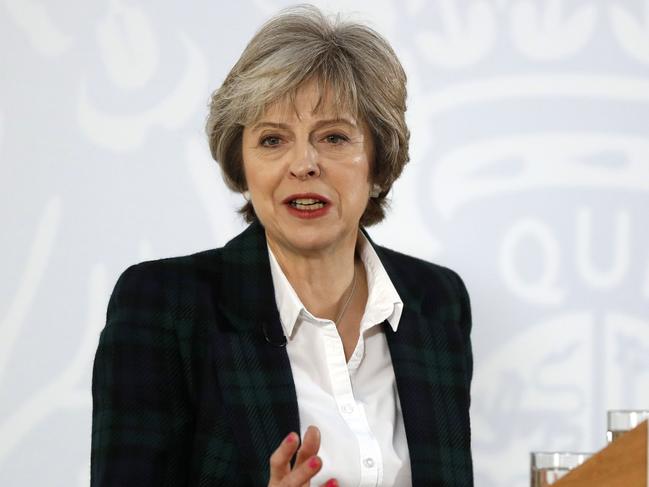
(349, 298)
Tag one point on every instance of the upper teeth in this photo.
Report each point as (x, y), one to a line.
(305, 201)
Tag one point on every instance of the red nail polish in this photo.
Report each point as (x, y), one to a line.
(331, 483)
(290, 438)
(314, 462)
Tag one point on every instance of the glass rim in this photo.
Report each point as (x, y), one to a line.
(625, 419)
(558, 459)
(627, 411)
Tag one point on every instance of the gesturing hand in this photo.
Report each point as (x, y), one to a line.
(307, 463)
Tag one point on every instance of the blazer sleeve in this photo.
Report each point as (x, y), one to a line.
(465, 323)
(141, 419)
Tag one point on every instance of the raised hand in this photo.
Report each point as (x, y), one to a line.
(307, 463)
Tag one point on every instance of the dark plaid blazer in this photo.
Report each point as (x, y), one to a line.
(190, 387)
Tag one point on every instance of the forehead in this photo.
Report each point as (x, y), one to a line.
(310, 100)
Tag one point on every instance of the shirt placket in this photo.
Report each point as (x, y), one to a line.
(352, 412)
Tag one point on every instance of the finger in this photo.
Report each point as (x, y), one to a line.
(303, 473)
(280, 459)
(310, 445)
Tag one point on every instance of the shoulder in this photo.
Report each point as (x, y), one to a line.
(191, 266)
(420, 279)
(162, 290)
(198, 269)
(437, 293)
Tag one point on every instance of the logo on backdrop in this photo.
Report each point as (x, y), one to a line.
(536, 159)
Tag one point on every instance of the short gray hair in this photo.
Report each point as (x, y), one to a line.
(349, 60)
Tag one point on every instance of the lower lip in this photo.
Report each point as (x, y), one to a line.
(308, 214)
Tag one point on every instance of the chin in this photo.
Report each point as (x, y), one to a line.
(306, 236)
(312, 239)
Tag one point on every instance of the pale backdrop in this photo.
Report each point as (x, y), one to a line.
(529, 176)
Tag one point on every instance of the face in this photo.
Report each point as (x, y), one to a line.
(308, 173)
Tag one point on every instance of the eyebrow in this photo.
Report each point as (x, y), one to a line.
(318, 124)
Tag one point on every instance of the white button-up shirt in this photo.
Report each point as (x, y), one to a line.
(356, 404)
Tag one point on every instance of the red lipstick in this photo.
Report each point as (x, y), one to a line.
(307, 205)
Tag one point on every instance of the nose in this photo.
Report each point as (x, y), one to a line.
(304, 164)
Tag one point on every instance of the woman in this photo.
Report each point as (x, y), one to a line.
(300, 352)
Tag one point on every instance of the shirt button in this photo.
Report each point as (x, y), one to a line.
(368, 462)
(348, 408)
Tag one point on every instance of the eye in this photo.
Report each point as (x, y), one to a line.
(270, 141)
(335, 139)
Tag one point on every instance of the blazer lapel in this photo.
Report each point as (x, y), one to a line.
(415, 394)
(426, 382)
(252, 364)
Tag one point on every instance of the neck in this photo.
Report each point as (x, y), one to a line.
(322, 280)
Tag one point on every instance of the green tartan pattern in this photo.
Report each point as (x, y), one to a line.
(187, 391)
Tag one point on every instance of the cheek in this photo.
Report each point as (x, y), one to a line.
(262, 185)
(356, 186)
(362, 169)
(253, 171)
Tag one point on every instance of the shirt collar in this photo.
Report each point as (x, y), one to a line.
(383, 301)
(288, 302)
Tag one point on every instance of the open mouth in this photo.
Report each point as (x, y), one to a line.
(307, 204)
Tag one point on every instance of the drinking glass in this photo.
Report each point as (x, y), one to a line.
(621, 421)
(548, 467)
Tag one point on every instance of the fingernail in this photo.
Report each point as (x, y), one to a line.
(331, 483)
(314, 462)
(290, 438)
